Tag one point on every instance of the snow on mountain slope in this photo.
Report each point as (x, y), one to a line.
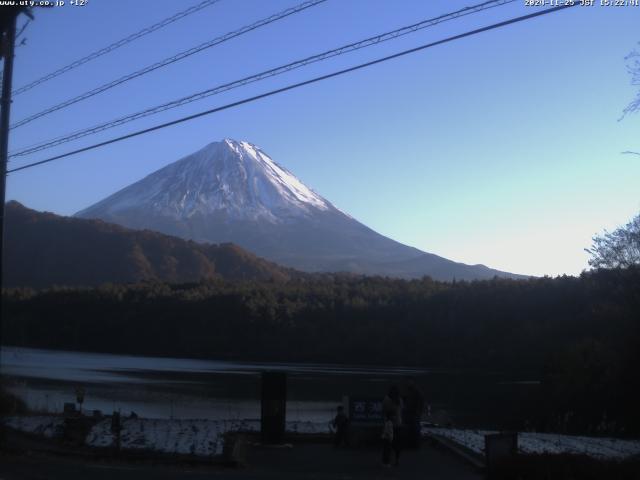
(235, 178)
(232, 191)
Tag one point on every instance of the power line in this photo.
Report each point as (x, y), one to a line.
(22, 29)
(116, 45)
(261, 76)
(296, 85)
(167, 61)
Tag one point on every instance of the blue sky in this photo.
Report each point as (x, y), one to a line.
(503, 148)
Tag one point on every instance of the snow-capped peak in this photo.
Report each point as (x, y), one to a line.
(290, 184)
(232, 178)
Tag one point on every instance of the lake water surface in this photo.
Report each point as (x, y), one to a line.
(186, 388)
(182, 388)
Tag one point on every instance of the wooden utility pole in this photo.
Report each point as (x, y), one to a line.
(8, 33)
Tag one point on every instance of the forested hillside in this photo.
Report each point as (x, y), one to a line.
(581, 336)
(43, 249)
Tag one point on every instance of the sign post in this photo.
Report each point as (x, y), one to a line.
(80, 398)
(274, 407)
(500, 450)
(116, 428)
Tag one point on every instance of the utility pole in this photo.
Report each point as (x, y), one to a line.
(8, 33)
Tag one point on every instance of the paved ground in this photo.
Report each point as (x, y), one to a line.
(304, 461)
(323, 461)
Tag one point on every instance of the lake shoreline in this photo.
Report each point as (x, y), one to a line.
(183, 388)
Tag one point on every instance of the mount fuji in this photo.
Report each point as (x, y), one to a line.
(232, 191)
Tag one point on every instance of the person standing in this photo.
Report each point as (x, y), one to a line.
(387, 440)
(340, 424)
(412, 414)
(392, 408)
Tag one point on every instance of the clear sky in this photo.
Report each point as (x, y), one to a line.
(503, 148)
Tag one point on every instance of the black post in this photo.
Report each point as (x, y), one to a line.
(500, 451)
(8, 46)
(274, 407)
(116, 429)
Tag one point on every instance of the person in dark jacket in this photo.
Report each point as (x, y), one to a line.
(387, 440)
(392, 408)
(412, 414)
(341, 427)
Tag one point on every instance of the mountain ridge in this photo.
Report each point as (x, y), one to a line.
(232, 191)
(43, 249)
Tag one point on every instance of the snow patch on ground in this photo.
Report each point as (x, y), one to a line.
(199, 437)
(189, 437)
(551, 443)
(45, 425)
(204, 437)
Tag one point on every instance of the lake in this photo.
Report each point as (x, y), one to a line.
(157, 387)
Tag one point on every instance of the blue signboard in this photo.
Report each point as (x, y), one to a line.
(365, 410)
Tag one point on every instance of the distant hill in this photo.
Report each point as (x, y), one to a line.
(232, 191)
(43, 249)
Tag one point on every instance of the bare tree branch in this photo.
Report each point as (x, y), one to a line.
(617, 249)
(633, 67)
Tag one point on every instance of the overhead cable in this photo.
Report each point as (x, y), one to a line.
(296, 85)
(367, 42)
(115, 45)
(168, 61)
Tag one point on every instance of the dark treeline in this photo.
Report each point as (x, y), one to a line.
(579, 335)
